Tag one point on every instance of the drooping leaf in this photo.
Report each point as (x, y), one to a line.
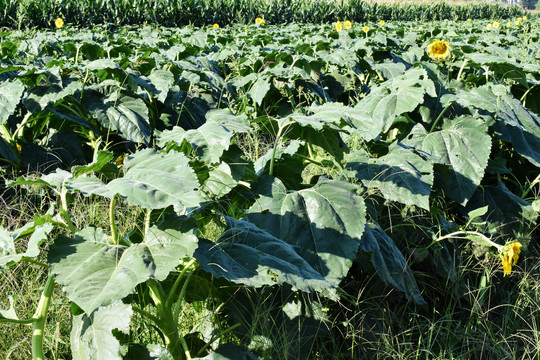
(39, 97)
(465, 146)
(506, 211)
(401, 175)
(123, 113)
(514, 123)
(389, 262)
(10, 95)
(7, 151)
(8, 253)
(92, 335)
(248, 255)
(324, 222)
(9, 313)
(156, 180)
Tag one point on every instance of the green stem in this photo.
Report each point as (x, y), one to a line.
(35, 262)
(114, 232)
(276, 144)
(84, 83)
(40, 318)
(18, 133)
(440, 116)
(166, 322)
(523, 98)
(178, 303)
(65, 211)
(147, 221)
(170, 298)
(458, 235)
(461, 69)
(17, 321)
(145, 313)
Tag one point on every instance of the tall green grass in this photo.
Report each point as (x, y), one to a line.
(42, 13)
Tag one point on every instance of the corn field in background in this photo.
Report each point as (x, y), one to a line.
(41, 14)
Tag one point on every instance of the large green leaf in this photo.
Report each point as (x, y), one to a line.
(514, 123)
(324, 222)
(401, 175)
(10, 95)
(92, 335)
(123, 113)
(156, 180)
(396, 96)
(162, 80)
(221, 180)
(259, 89)
(39, 97)
(89, 185)
(168, 241)
(209, 141)
(389, 262)
(363, 124)
(248, 255)
(464, 145)
(7, 151)
(94, 273)
(234, 123)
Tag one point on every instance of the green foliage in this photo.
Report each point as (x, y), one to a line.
(32, 14)
(158, 119)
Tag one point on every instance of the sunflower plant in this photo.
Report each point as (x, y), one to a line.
(439, 49)
(59, 23)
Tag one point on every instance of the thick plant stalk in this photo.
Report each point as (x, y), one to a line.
(40, 317)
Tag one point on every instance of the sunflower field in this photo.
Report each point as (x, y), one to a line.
(261, 190)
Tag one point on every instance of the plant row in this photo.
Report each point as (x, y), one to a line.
(41, 14)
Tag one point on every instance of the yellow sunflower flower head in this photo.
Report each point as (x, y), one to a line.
(439, 49)
(382, 22)
(495, 25)
(524, 17)
(488, 26)
(365, 29)
(347, 24)
(469, 20)
(59, 23)
(338, 26)
(509, 24)
(215, 26)
(260, 21)
(510, 256)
